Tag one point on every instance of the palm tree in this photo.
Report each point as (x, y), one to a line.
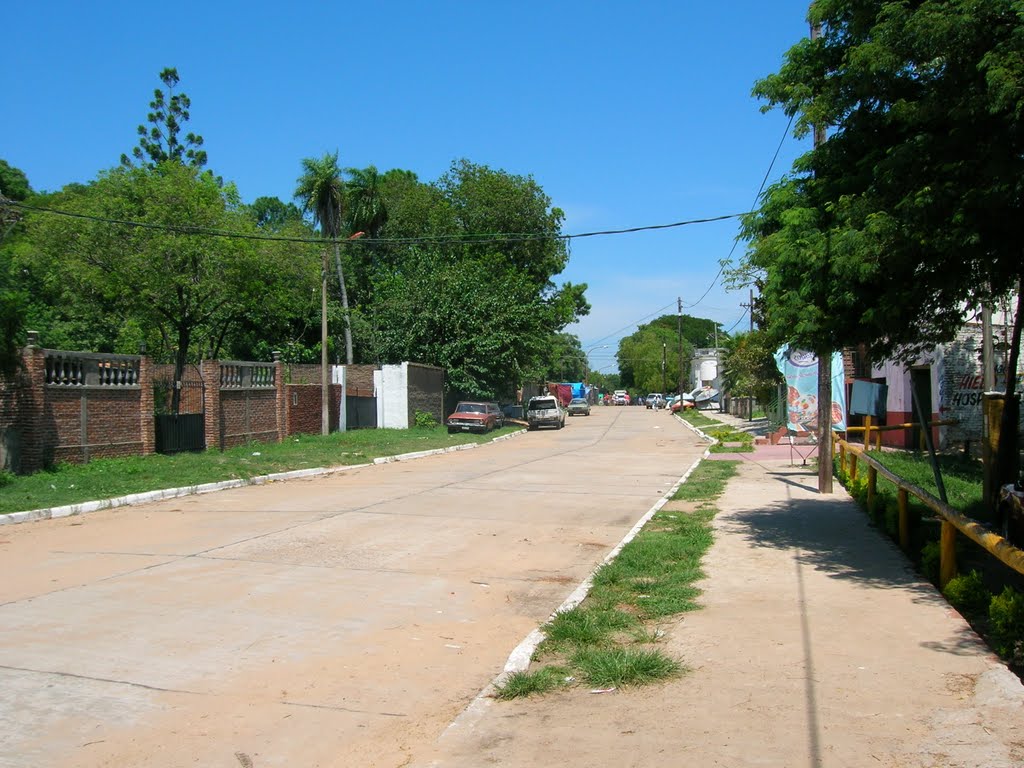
(366, 209)
(321, 191)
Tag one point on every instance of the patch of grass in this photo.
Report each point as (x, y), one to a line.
(707, 482)
(963, 478)
(579, 627)
(520, 684)
(602, 640)
(109, 478)
(698, 419)
(624, 666)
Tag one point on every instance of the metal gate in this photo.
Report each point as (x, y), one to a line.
(361, 412)
(185, 430)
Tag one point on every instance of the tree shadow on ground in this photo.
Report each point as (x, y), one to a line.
(833, 535)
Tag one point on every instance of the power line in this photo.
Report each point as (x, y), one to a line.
(630, 325)
(760, 189)
(463, 239)
(740, 320)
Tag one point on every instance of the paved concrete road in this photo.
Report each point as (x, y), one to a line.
(342, 620)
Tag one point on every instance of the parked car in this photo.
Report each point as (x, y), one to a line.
(471, 417)
(499, 415)
(654, 400)
(579, 407)
(545, 411)
(621, 397)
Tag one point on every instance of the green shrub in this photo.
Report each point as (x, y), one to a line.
(1006, 623)
(425, 419)
(6, 478)
(930, 558)
(968, 594)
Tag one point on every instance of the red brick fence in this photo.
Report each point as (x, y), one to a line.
(75, 406)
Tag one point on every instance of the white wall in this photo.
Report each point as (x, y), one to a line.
(338, 377)
(391, 383)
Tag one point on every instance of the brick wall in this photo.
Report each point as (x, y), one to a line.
(961, 386)
(247, 416)
(360, 377)
(72, 407)
(303, 408)
(426, 391)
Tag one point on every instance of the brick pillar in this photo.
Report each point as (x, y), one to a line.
(282, 398)
(146, 417)
(210, 372)
(36, 438)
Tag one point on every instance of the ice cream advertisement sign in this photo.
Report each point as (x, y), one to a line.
(800, 369)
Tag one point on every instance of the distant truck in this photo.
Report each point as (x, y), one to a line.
(620, 397)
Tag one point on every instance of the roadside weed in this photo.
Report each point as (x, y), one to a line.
(624, 666)
(606, 640)
(591, 626)
(520, 684)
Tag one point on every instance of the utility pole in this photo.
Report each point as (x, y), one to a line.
(824, 361)
(664, 351)
(679, 330)
(749, 306)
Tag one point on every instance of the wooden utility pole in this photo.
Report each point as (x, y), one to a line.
(325, 410)
(679, 330)
(824, 362)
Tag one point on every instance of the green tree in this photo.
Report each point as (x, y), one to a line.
(483, 326)
(179, 292)
(13, 182)
(273, 214)
(430, 243)
(488, 202)
(911, 211)
(321, 191)
(14, 186)
(367, 209)
(640, 354)
(160, 142)
(748, 367)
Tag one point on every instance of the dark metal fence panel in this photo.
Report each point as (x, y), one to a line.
(182, 432)
(185, 430)
(361, 412)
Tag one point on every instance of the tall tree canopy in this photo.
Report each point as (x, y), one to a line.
(486, 308)
(912, 209)
(13, 296)
(649, 359)
(160, 142)
(184, 294)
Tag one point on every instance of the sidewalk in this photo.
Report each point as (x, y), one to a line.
(793, 455)
(817, 645)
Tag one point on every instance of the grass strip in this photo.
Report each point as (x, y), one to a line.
(109, 478)
(611, 638)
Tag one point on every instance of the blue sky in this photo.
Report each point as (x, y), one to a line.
(626, 114)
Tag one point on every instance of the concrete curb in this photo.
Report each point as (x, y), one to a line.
(519, 659)
(85, 507)
(699, 432)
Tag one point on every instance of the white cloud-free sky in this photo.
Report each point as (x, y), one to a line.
(627, 114)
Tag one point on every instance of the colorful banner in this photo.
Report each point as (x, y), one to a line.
(800, 368)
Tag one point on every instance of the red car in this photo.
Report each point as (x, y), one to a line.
(472, 417)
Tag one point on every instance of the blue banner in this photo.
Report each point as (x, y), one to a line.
(800, 369)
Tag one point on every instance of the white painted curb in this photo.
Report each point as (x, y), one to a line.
(71, 510)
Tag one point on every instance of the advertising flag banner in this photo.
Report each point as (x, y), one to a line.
(800, 369)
